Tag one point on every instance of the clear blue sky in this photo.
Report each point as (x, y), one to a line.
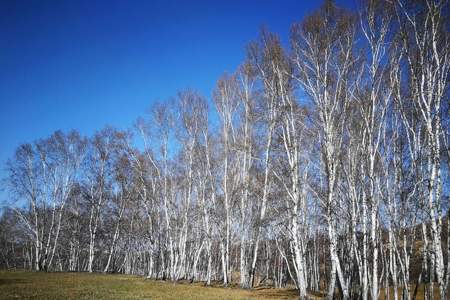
(86, 64)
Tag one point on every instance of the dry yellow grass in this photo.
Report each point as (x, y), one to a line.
(37, 285)
(41, 285)
(420, 292)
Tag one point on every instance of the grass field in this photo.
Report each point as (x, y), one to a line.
(41, 285)
(33, 285)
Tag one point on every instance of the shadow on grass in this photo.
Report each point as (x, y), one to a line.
(277, 293)
(6, 281)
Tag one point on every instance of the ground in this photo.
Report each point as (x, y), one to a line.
(40, 285)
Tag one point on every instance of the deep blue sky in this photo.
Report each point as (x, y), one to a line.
(86, 64)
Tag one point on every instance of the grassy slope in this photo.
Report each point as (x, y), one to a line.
(14, 285)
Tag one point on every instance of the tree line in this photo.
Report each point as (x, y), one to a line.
(322, 165)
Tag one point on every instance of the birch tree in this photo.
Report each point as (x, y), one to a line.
(426, 42)
(323, 55)
(259, 55)
(44, 174)
(225, 98)
(98, 183)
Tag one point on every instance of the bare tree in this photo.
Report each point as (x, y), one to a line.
(44, 174)
(323, 54)
(225, 98)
